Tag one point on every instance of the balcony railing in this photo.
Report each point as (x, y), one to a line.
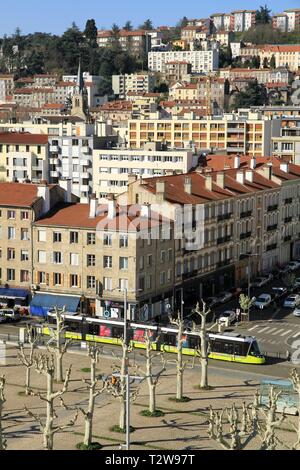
(245, 235)
(270, 228)
(273, 208)
(245, 214)
(288, 219)
(224, 216)
(272, 247)
(288, 201)
(225, 239)
(222, 264)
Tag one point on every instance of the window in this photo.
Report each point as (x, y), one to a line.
(42, 278)
(42, 235)
(169, 275)
(149, 260)
(123, 284)
(73, 237)
(142, 283)
(24, 255)
(11, 254)
(107, 261)
(57, 278)
(57, 257)
(75, 142)
(11, 233)
(24, 276)
(91, 239)
(10, 275)
(162, 278)
(42, 257)
(91, 260)
(107, 239)
(107, 282)
(24, 215)
(74, 281)
(162, 256)
(170, 254)
(74, 259)
(123, 263)
(91, 282)
(124, 241)
(57, 237)
(149, 282)
(11, 214)
(24, 234)
(141, 262)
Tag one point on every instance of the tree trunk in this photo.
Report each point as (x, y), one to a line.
(204, 360)
(152, 398)
(88, 435)
(179, 393)
(59, 367)
(27, 381)
(122, 419)
(48, 430)
(2, 440)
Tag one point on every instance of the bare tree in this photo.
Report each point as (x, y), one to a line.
(58, 344)
(45, 366)
(27, 360)
(93, 352)
(151, 376)
(180, 365)
(296, 385)
(234, 430)
(245, 303)
(203, 351)
(3, 443)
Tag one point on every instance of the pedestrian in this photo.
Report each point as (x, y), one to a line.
(288, 356)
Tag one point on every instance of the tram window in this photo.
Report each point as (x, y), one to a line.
(93, 329)
(194, 343)
(170, 340)
(254, 349)
(216, 346)
(105, 331)
(139, 336)
(227, 348)
(117, 332)
(73, 326)
(238, 349)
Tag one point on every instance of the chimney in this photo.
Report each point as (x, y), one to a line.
(237, 162)
(112, 208)
(66, 185)
(253, 163)
(240, 177)
(93, 206)
(284, 167)
(132, 178)
(249, 175)
(208, 182)
(43, 191)
(188, 185)
(160, 189)
(146, 211)
(221, 179)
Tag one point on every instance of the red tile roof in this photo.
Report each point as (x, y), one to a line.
(23, 138)
(18, 194)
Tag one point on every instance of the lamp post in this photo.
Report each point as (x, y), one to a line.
(249, 278)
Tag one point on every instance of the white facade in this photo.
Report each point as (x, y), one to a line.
(92, 83)
(201, 61)
(138, 83)
(111, 168)
(235, 49)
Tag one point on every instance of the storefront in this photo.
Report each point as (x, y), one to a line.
(42, 303)
(14, 297)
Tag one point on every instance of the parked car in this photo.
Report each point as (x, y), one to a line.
(224, 297)
(268, 276)
(294, 265)
(259, 282)
(296, 312)
(3, 318)
(228, 316)
(279, 292)
(263, 301)
(292, 301)
(10, 314)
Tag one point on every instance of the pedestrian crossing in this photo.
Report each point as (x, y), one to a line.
(275, 335)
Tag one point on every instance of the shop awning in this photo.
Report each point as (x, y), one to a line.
(6, 293)
(42, 303)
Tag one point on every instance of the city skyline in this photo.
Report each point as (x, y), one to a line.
(30, 18)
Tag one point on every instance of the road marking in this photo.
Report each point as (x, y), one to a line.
(296, 335)
(278, 331)
(253, 327)
(286, 333)
(264, 329)
(273, 329)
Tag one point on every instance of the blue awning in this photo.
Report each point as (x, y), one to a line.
(6, 293)
(42, 303)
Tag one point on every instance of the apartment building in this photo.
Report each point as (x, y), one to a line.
(287, 146)
(222, 21)
(287, 56)
(23, 156)
(135, 82)
(91, 252)
(242, 20)
(235, 134)
(201, 61)
(293, 16)
(280, 22)
(188, 33)
(20, 206)
(245, 203)
(112, 168)
(6, 86)
(177, 71)
(137, 43)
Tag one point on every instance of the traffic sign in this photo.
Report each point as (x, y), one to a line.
(107, 314)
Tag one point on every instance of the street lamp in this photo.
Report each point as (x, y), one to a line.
(249, 255)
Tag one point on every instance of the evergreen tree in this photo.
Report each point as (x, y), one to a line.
(91, 31)
(265, 63)
(253, 95)
(273, 62)
(147, 25)
(263, 15)
(128, 26)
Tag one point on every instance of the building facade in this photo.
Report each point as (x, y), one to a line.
(201, 61)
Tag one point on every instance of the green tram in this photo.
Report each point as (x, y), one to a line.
(231, 347)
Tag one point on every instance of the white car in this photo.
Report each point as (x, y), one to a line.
(228, 316)
(292, 301)
(296, 312)
(10, 314)
(263, 301)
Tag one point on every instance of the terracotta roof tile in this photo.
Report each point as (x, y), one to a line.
(23, 138)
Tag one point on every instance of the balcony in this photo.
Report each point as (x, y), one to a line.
(288, 201)
(225, 239)
(270, 228)
(54, 148)
(86, 150)
(222, 264)
(288, 219)
(272, 247)
(245, 235)
(287, 238)
(272, 208)
(189, 275)
(245, 214)
(224, 216)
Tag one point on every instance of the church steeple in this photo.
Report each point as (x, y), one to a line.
(80, 97)
(79, 82)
